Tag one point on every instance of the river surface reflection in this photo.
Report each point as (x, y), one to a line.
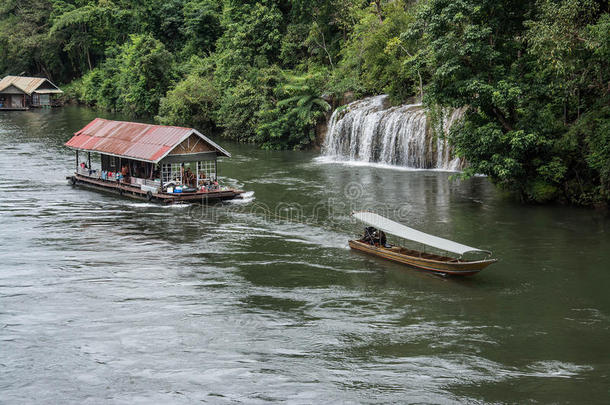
(109, 299)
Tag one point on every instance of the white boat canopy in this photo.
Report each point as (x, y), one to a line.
(402, 231)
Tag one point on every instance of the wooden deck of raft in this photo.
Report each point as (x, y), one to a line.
(135, 192)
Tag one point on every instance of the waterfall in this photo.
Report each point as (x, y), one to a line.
(368, 130)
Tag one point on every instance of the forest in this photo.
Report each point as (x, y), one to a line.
(534, 74)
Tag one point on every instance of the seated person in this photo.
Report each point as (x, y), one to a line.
(383, 240)
(125, 172)
(375, 237)
(369, 235)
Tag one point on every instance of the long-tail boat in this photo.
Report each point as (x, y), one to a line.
(374, 243)
(151, 162)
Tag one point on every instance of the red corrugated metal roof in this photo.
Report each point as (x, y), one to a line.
(134, 140)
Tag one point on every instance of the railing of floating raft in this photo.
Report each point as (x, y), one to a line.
(112, 177)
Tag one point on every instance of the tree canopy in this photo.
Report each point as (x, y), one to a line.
(534, 76)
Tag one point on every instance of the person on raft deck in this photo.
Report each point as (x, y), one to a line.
(125, 172)
(190, 178)
(84, 167)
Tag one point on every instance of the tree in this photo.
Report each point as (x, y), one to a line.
(288, 120)
(87, 31)
(375, 53)
(201, 28)
(251, 38)
(518, 66)
(24, 43)
(133, 79)
(191, 103)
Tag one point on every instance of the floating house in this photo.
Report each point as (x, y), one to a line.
(153, 162)
(23, 93)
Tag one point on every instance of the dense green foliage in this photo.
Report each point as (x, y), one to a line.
(535, 76)
(133, 78)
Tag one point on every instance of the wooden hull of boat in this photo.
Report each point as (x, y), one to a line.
(130, 191)
(461, 268)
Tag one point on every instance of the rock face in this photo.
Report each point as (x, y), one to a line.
(369, 130)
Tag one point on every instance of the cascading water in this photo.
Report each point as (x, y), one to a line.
(368, 131)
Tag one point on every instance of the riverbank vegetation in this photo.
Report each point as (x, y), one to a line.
(535, 75)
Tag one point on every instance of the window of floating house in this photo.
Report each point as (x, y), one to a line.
(171, 172)
(206, 170)
(45, 99)
(166, 172)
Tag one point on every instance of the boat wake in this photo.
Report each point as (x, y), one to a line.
(246, 198)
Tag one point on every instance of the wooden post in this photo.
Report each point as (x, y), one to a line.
(89, 160)
(77, 160)
(216, 169)
(161, 177)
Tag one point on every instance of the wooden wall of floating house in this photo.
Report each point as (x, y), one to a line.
(193, 144)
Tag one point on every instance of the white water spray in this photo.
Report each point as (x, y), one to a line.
(368, 131)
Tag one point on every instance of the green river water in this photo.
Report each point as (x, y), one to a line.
(109, 300)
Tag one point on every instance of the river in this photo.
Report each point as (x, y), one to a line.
(105, 299)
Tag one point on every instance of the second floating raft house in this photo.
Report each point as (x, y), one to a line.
(23, 93)
(152, 162)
